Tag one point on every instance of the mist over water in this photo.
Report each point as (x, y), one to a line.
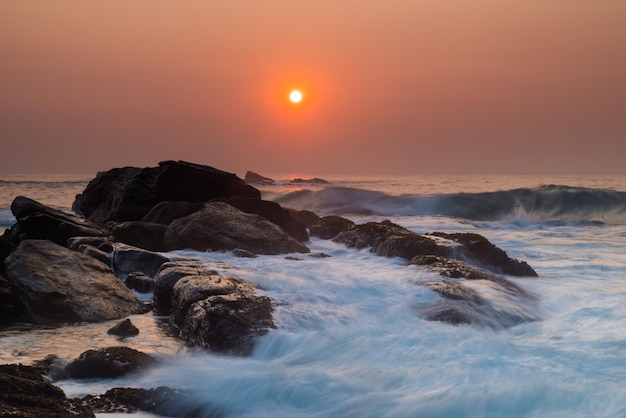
(349, 341)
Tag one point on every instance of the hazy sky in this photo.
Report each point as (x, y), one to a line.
(396, 86)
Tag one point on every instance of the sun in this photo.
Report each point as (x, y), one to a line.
(295, 96)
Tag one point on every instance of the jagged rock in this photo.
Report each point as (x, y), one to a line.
(169, 274)
(271, 211)
(328, 227)
(166, 212)
(140, 282)
(162, 401)
(102, 244)
(38, 221)
(127, 194)
(219, 313)
(58, 285)
(93, 252)
(25, 393)
(144, 235)
(128, 259)
(307, 217)
(388, 239)
(252, 177)
(219, 226)
(478, 249)
(124, 329)
(108, 363)
(314, 180)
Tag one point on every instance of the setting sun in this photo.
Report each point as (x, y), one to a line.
(295, 96)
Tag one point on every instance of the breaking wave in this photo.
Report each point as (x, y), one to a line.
(547, 204)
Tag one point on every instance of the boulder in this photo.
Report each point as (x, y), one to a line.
(162, 401)
(124, 329)
(169, 274)
(6, 248)
(146, 235)
(58, 285)
(166, 212)
(252, 177)
(478, 250)
(271, 211)
(219, 226)
(139, 282)
(128, 193)
(128, 259)
(25, 393)
(38, 221)
(93, 252)
(107, 363)
(314, 180)
(329, 226)
(219, 313)
(306, 217)
(10, 306)
(102, 244)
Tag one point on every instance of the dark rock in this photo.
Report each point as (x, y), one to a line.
(124, 329)
(329, 226)
(388, 239)
(144, 235)
(219, 313)
(319, 255)
(101, 243)
(219, 226)
(38, 221)
(307, 217)
(10, 306)
(162, 401)
(271, 211)
(314, 180)
(140, 282)
(6, 248)
(238, 252)
(127, 194)
(25, 393)
(54, 367)
(128, 259)
(252, 177)
(169, 274)
(108, 363)
(93, 252)
(166, 212)
(478, 250)
(58, 285)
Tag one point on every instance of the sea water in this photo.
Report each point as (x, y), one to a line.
(349, 342)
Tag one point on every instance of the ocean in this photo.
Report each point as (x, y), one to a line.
(348, 342)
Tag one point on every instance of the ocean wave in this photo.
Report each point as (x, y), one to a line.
(546, 204)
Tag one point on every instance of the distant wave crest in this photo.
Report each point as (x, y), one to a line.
(551, 204)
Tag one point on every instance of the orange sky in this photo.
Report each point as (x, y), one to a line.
(400, 86)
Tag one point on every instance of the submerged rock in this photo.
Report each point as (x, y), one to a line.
(219, 313)
(58, 285)
(25, 393)
(220, 226)
(108, 363)
(127, 194)
(162, 401)
(124, 329)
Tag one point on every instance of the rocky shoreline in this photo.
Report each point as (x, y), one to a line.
(57, 268)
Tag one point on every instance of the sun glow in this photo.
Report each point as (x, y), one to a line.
(295, 96)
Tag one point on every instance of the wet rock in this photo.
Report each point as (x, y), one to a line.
(238, 252)
(478, 250)
(388, 239)
(271, 211)
(328, 227)
(10, 306)
(139, 282)
(252, 177)
(162, 401)
(219, 226)
(127, 194)
(219, 313)
(307, 217)
(38, 221)
(166, 212)
(108, 363)
(144, 235)
(128, 259)
(25, 393)
(6, 248)
(93, 252)
(169, 274)
(58, 285)
(124, 329)
(101, 243)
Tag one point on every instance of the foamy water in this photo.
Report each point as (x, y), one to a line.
(349, 343)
